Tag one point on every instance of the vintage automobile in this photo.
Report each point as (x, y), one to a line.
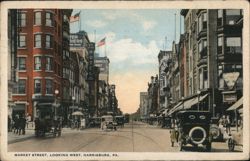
(193, 127)
(108, 122)
(47, 122)
(95, 122)
(120, 120)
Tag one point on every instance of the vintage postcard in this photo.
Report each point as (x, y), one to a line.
(124, 80)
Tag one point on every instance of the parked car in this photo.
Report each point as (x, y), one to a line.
(108, 122)
(120, 120)
(46, 122)
(194, 129)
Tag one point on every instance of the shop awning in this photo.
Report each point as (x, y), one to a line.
(189, 103)
(175, 108)
(236, 105)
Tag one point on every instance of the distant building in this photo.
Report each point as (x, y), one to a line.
(153, 95)
(79, 44)
(144, 112)
(113, 102)
(103, 64)
(164, 97)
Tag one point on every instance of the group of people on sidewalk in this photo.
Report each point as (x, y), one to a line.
(225, 122)
(18, 123)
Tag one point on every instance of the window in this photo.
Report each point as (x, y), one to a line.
(48, 41)
(219, 44)
(48, 19)
(22, 63)
(37, 86)
(49, 89)
(233, 45)
(233, 41)
(20, 87)
(220, 12)
(22, 41)
(202, 20)
(219, 20)
(38, 41)
(38, 18)
(220, 41)
(48, 63)
(232, 15)
(38, 63)
(23, 19)
(232, 12)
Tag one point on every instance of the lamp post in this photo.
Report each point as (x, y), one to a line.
(55, 107)
(198, 93)
(73, 99)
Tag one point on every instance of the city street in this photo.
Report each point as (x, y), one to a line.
(134, 137)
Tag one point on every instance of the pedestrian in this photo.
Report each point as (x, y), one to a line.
(22, 125)
(228, 124)
(9, 124)
(16, 124)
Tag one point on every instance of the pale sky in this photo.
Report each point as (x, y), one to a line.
(133, 41)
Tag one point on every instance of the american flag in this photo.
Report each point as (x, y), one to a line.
(75, 18)
(102, 42)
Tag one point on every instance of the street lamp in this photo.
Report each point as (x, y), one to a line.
(198, 93)
(73, 99)
(55, 107)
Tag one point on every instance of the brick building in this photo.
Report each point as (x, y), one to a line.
(42, 41)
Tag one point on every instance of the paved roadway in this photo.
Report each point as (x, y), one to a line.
(136, 137)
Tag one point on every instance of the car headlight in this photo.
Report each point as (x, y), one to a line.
(202, 117)
(192, 117)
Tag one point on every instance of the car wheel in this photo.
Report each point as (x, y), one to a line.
(230, 144)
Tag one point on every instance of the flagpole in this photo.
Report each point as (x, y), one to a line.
(79, 22)
(105, 48)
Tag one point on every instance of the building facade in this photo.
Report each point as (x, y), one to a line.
(213, 45)
(144, 112)
(103, 64)
(79, 45)
(12, 59)
(39, 58)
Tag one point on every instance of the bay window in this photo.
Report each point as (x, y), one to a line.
(21, 63)
(38, 41)
(48, 19)
(38, 63)
(37, 86)
(22, 41)
(38, 18)
(48, 41)
(49, 89)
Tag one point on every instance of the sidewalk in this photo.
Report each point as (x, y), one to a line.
(29, 133)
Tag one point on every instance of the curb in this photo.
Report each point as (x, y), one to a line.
(21, 139)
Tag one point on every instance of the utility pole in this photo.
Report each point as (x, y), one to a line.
(175, 27)
(211, 54)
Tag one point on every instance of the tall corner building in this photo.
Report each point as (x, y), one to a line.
(43, 38)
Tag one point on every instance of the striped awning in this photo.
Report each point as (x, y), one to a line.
(236, 105)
